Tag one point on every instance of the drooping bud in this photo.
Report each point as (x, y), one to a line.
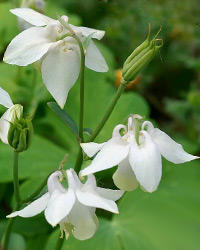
(20, 134)
(141, 57)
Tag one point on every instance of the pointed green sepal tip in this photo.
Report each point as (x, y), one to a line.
(141, 56)
(20, 134)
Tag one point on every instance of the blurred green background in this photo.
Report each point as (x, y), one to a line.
(167, 92)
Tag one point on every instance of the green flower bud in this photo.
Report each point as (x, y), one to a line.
(20, 134)
(141, 57)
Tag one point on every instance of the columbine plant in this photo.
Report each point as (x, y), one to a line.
(62, 51)
(55, 49)
(137, 154)
(72, 208)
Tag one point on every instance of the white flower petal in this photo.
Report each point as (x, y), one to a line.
(145, 161)
(53, 182)
(28, 47)
(98, 34)
(91, 148)
(73, 180)
(32, 16)
(170, 149)
(59, 206)
(89, 197)
(113, 152)
(91, 181)
(84, 221)
(10, 115)
(5, 99)
(117, 129)
(110, 194)
(94, 59)
(60, 71)
(124, 177)
(33, 209)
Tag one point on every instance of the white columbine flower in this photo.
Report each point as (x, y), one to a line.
(14, 112)
(137, 164)
(59, 57)
(72, 208)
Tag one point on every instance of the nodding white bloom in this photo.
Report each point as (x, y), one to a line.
(14, 112)
(137, 164)
(73, 208)
(58, 56)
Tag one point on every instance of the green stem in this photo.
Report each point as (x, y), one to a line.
(16, 179)
(81, 114)
(6, 237)
(59, 243)
(79, 161)
(108, 113)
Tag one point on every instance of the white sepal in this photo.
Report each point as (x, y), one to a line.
(36, 207)
(31, 16)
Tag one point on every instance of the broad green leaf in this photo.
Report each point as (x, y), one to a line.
(42, 158)
(33, 226)
(63, 116)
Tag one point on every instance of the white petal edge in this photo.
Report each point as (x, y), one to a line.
(146, 163)
(28, 47)
(94, 59)
(124, 177)
(91, 148)
(5, 99)
(112, 153)
(98, 34)
(59, 206)
(60, 70)
(170, 149)
(36, 207)
(31, 16)
(110, 194)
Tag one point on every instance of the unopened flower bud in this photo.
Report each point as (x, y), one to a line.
(141, 57)
(20, 134)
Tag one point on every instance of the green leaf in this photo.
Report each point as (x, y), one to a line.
(41, 159)
(63, 116)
